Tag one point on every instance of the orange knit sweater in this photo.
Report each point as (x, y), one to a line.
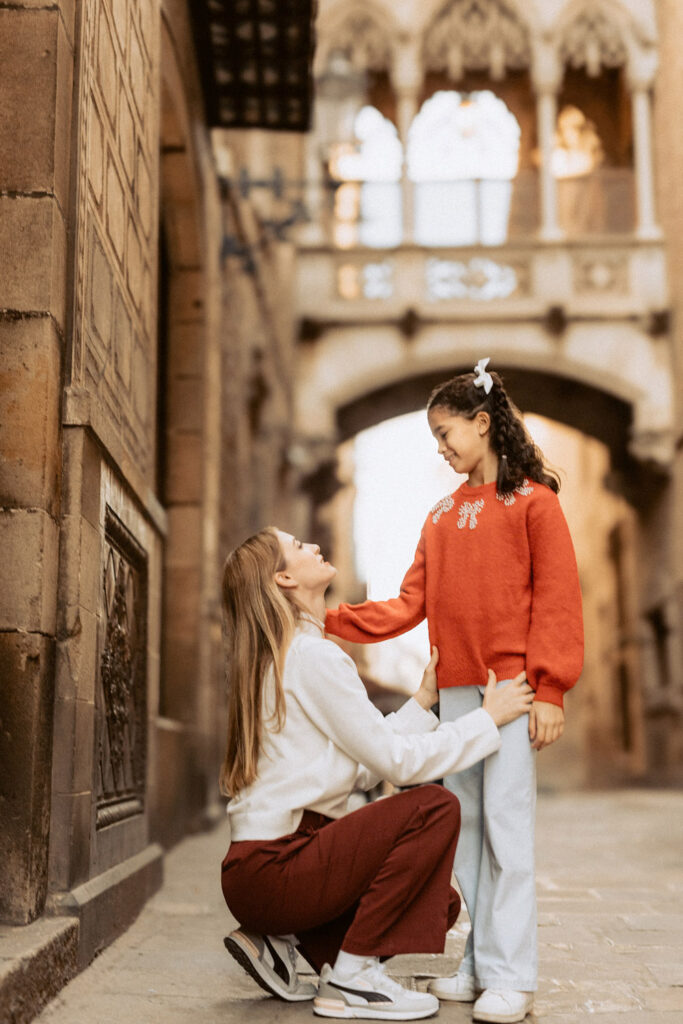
(496, 577)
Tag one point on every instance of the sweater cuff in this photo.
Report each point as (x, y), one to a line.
(411, 717)
(550, 694)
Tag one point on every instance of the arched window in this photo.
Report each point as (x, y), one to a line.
(463, 153)
(367, 203)
(595, 115)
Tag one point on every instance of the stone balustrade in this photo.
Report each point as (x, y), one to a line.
(610, 279)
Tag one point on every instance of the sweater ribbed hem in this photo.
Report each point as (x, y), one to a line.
(503, 670)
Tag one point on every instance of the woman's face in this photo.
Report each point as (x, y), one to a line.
(304, 564)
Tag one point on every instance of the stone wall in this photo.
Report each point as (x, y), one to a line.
(144, 425)
(111, 527)
(111, 377)
(37, 58)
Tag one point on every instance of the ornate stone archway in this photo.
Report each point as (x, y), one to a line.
(576, 404)
(350, 363)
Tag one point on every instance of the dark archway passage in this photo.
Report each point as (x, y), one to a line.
(590, 410)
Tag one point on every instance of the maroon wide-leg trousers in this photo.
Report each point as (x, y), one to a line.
(375, 882)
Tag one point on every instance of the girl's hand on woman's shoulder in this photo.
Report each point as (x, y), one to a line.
(428, 694)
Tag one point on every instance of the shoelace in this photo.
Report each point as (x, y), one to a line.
(375, 974)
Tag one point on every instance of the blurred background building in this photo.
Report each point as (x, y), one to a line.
(488, 185)
(212, 318)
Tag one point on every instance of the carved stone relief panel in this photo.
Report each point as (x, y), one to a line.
(369, 280)
(477, 277)
(601, 272)
(122, 686)
(477, 35)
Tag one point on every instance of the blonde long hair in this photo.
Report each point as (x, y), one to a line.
(260, 623)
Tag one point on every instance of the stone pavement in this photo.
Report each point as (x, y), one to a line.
(610, 882)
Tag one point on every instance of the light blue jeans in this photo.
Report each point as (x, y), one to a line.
(494, 861)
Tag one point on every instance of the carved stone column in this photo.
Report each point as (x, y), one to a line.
(641, 72)
(546, 78)
(406, 78)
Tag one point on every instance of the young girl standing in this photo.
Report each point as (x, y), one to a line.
(495, 574)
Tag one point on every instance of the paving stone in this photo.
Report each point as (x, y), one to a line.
(653, 922)
(665, 999)
(667, 974)
(628, 1017)
(610, 935)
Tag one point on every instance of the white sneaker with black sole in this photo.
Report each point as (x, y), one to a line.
(271, 962)
(370, 994)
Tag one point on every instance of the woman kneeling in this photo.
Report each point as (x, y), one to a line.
(349, 889)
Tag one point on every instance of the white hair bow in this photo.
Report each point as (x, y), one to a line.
(483, 379)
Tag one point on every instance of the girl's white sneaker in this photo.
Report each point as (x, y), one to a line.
(459, 988)
(502, 1006)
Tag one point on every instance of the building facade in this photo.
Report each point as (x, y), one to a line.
(553, 256)
(146, 327)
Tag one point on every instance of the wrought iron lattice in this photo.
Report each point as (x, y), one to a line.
(256, 59)
(122, 685)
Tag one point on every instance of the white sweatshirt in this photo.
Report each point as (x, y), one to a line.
(335, 740)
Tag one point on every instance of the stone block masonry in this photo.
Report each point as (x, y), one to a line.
(36, 86)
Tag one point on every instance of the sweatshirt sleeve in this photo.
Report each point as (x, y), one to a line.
(410, 718)
(554, 655)
(372, 621)
(330, 692)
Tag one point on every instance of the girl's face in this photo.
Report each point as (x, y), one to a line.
(305, 566)
(463, 443)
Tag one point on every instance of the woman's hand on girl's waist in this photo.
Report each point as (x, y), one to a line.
(510, 701)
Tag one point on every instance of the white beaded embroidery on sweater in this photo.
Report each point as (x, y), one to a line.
(509, 499)
(468, 512)
(445, 505)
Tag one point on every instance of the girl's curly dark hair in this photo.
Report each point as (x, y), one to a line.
(518, 456)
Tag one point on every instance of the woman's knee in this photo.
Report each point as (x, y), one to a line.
(451, 805)
(440, 801)
(442, 796)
